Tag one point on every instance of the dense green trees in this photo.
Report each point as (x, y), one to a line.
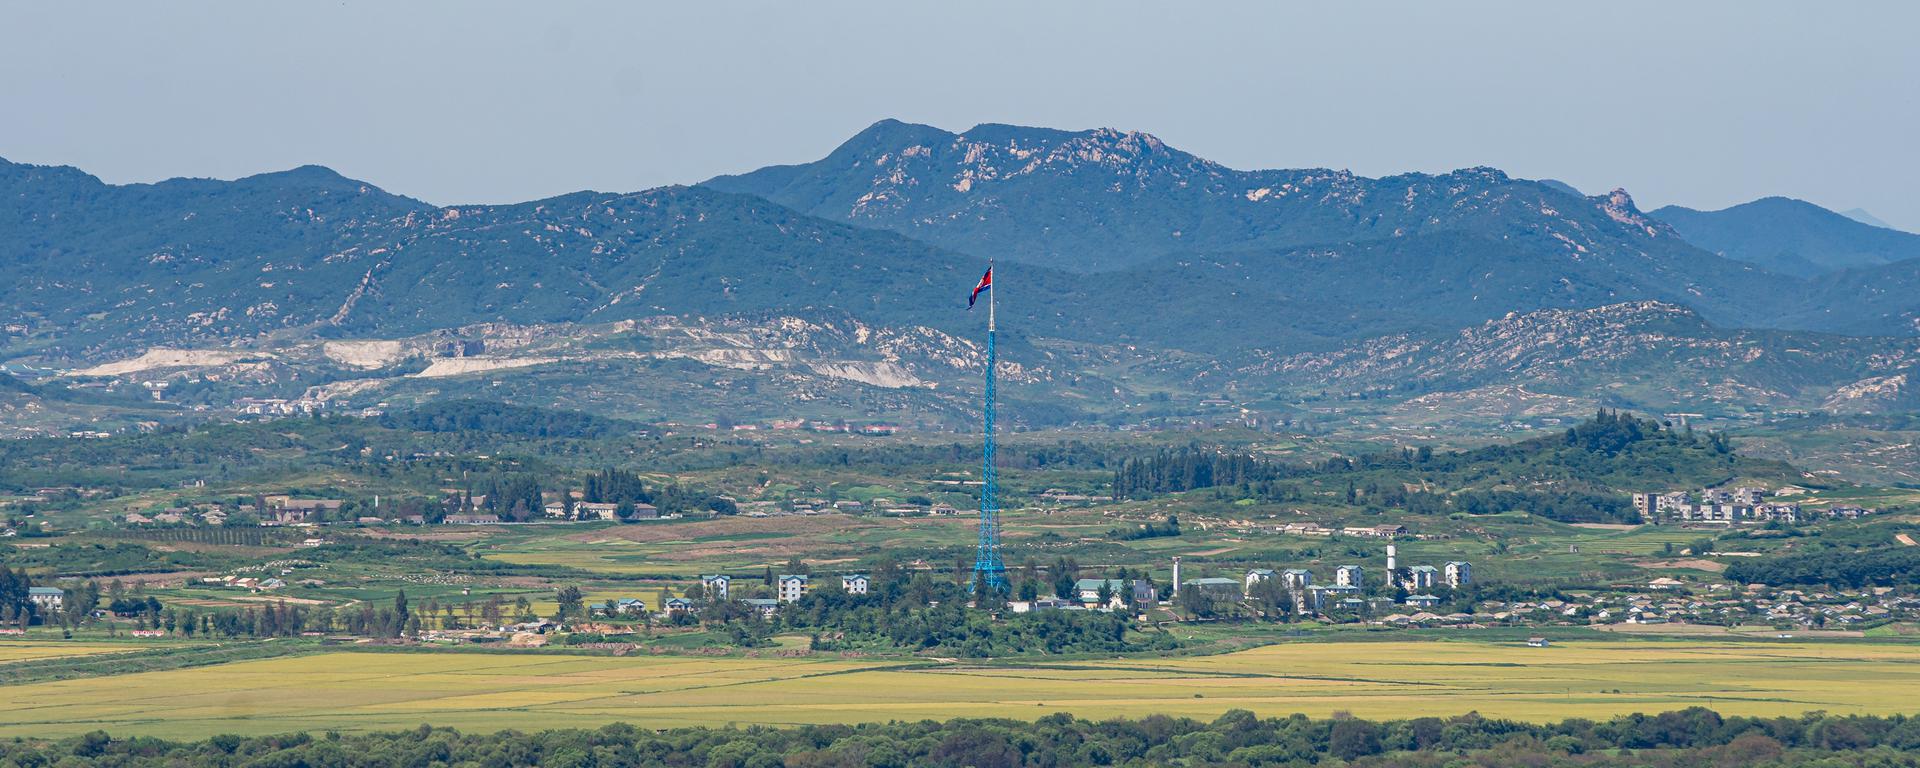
(104, 559)
(503, 418)
(1840, 567)
(16, 608)
(1691, 738)
(1171, 527)
(624, 487)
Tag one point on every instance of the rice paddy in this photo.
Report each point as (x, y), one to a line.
(483, 692)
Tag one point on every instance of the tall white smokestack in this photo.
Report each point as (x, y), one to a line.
(1390, 567)
(1176, 574)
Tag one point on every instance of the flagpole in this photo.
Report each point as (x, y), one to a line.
(989, 573)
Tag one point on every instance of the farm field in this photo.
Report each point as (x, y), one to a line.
(484, 692)
(11, 650)
(733, 544)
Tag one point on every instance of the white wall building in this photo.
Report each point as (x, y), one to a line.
(793, 586)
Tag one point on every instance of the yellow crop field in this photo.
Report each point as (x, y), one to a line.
(365, 691)
(26, 650)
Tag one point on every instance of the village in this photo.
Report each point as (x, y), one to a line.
(1745, 505)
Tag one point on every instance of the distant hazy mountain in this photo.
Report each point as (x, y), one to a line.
(1563, 187)
(1861, 215)
(1791, 237)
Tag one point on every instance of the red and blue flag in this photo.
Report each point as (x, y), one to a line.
(986, 284)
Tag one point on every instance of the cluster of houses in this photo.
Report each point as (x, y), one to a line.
(288, 510)
(1670, 601)
(555, 506)
(591, 510)
(879, 506)
(278, 510)
(1346, 591)
(1383, 531)
(788, 588)
(873, 429)
(1651, 604)
(212, 515)
(275, 406)
(1736, 506)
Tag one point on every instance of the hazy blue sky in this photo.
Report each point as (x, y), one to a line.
(1700, 103)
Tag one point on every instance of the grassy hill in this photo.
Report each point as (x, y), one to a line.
(1582, 475)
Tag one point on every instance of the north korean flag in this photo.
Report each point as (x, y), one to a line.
(986, 284)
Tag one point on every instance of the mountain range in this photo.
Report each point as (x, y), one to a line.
(1118, 257)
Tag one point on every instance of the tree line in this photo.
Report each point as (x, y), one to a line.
(1690, 738)
(1839, 567)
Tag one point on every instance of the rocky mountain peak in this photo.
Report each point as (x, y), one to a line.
(1619, 207)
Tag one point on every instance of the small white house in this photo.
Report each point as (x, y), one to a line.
(1458, 573)
(1258, 575)
(49, 598)
(855, 583)
(717, 585)
(765, 606)
(1349, 576)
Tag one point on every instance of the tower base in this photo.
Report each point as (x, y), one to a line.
(993, 576)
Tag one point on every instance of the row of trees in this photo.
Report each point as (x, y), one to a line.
(521, 496)
(16, 602)
(1691, 738)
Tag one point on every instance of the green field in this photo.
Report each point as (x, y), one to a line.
(365, 691)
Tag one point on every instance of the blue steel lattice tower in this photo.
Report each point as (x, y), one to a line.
(988, 571)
